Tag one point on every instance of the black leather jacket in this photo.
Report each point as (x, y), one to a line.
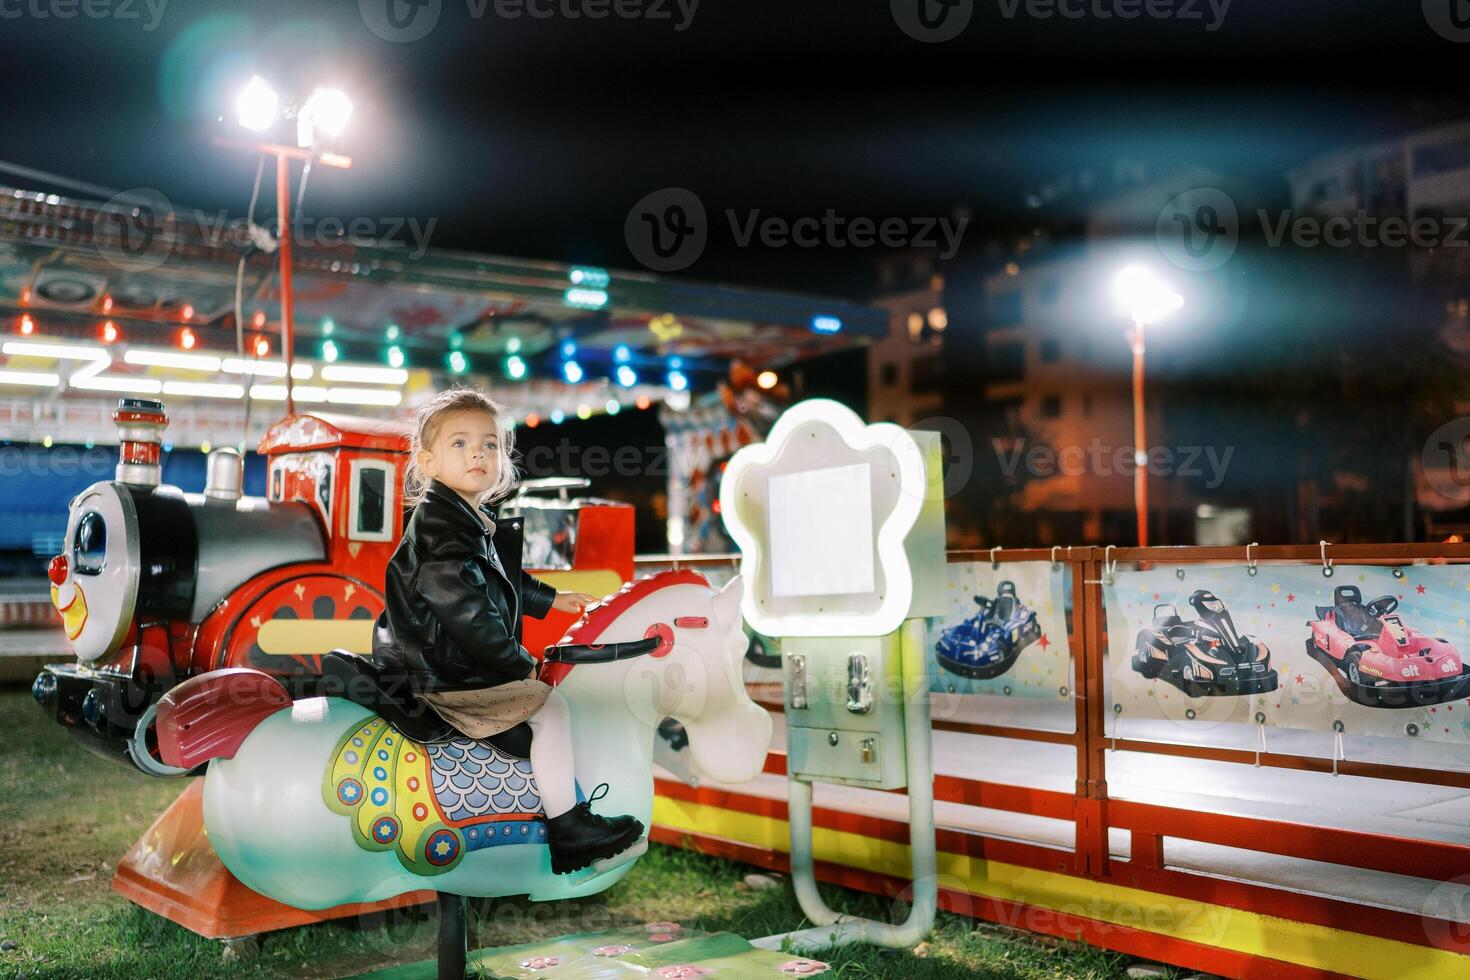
(454, 598)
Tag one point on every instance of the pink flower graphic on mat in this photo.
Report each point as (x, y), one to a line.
(804, 968)
(681, 971)
(612, 950)
(541, 962)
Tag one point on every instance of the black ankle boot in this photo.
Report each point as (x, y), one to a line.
(579, 836)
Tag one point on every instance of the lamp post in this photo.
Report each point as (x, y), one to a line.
(1145, 299)
(258, 109)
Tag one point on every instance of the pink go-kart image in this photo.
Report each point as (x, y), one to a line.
(1379, 660)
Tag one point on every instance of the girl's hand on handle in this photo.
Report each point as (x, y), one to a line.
(572, 602)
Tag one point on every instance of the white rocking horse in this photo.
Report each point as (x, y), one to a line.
(320, 802)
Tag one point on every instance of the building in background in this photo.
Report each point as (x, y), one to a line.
(906, 367)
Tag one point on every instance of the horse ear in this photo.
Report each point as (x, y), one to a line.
(727, 602)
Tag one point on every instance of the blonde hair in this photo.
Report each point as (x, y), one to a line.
(426, 423)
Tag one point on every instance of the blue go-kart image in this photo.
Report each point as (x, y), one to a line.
(988, 643)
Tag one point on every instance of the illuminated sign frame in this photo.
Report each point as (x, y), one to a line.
(742, 505)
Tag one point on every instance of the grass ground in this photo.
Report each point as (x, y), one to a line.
(66, 817)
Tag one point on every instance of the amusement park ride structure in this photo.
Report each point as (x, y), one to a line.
(143, 559)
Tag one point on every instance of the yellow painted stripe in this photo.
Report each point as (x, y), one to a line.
(287, 637)
(1246, 932)
(598, 581)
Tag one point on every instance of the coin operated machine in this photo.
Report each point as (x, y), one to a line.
(840, 525)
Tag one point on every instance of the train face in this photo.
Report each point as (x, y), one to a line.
(146, 567)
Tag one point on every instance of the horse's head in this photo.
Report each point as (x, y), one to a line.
(694, 675)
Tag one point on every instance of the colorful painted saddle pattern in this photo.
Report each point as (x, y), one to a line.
(431, 803)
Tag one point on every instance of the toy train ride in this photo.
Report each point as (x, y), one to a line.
(155, 585)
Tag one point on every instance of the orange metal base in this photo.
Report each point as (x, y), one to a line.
(173, 871)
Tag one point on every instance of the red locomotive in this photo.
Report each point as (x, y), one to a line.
(155, 585)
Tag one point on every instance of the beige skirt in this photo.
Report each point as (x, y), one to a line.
(488, 711)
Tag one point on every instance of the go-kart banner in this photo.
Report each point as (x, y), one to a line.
(1366, 651)
(1005, 633)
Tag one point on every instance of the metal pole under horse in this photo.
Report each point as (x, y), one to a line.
(453, 937)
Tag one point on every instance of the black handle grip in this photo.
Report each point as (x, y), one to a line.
(600, 653)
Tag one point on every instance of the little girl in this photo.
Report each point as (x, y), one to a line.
(455, 595)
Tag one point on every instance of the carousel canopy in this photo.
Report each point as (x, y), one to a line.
(136, 272)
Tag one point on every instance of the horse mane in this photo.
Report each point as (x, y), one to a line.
(599, 618)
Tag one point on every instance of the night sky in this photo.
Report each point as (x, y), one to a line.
(534, 137)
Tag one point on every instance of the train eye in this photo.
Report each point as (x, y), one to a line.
(89, 544)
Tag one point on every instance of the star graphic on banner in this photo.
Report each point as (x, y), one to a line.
(1156, 597)
(1300, 679)
(1419, 589)
(300, 591)
(1462, 620)
(1044, 641)
(1362, 578)
(1290, 597)
(1275, 587)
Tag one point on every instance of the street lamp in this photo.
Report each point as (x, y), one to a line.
(258, 109)
(1144, 298)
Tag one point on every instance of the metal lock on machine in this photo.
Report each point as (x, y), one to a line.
(839, 725)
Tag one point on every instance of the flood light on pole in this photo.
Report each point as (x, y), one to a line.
(257, 105)
(328, 111)
(1143, 296)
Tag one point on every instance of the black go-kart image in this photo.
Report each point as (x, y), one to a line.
(1204, 657)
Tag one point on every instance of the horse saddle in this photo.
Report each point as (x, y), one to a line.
(431, 803)
(358, 680)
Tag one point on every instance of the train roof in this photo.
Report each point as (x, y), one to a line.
(328, 430)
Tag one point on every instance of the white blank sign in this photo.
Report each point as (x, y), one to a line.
(821, 532)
